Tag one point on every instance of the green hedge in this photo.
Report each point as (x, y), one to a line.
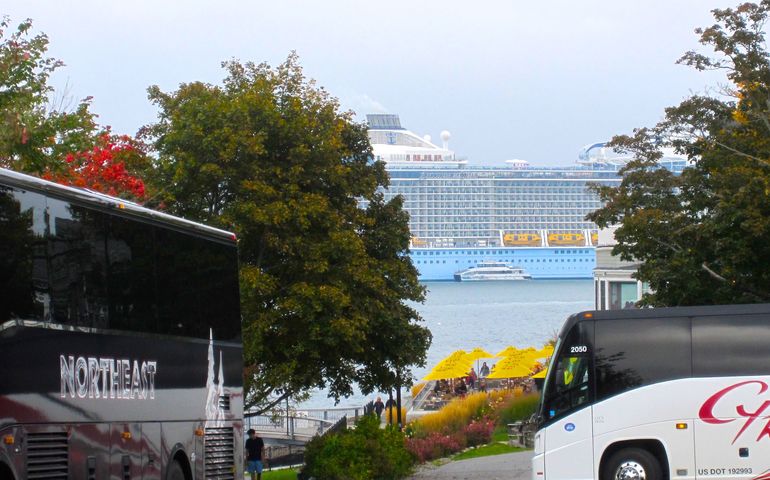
(362, 453)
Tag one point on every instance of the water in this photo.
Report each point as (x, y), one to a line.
(490, 315)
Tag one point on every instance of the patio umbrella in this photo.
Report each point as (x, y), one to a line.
(507, 351)
(454, 355)
(450, 367)
(510, 368)
(540, 374)
(523, 356)
(476, 354)
(546, 351)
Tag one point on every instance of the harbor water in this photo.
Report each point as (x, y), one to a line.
(490, 315)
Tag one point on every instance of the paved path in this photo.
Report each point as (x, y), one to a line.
(509, 466)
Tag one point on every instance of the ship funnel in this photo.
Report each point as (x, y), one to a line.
(445, 136)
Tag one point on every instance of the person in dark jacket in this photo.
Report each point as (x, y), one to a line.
(379, 407)
(254, 446)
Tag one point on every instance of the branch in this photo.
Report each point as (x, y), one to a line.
(264, 408)
(742, 154)
(704, 266)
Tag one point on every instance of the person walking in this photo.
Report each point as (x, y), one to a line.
(379, 407)
(254, 447)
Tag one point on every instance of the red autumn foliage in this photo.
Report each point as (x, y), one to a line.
(102, 168)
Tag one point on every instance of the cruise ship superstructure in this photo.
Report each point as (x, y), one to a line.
(463, 214)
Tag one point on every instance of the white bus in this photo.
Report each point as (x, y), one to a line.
(651, 394)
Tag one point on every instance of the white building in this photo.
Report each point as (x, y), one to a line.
(614, 286)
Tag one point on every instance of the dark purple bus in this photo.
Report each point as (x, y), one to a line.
(120, 340)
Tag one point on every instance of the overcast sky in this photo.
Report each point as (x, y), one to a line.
(509, 79)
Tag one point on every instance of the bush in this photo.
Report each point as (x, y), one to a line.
(518, 408)
(362, 453)
(479, 432)
(435, 445)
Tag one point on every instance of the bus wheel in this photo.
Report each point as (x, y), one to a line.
(632, 464)
(175, 471)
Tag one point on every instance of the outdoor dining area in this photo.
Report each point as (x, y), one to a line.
(464, 372)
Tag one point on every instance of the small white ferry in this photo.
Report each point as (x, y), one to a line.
(491, 271)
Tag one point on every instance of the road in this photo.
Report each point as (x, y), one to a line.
(509, 466)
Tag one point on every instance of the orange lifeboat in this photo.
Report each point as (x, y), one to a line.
(566, 239)
(522, 240)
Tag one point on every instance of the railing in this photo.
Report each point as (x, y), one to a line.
(284, 455)
(289, 427)
(417, 401)
(304, 422)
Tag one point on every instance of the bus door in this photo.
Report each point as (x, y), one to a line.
(125, 451)
(567, 407)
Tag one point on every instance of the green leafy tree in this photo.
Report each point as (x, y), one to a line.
(324, 270)
(703, 237)
(35, 136)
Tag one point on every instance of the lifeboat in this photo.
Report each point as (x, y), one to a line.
(418, 242)
(566, 239)
(522, 240)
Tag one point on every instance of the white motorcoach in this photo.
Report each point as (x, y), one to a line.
(651, 394)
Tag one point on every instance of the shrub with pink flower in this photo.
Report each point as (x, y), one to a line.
(479, 432)
(435, 445)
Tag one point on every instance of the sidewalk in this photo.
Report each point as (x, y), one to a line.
(509, 466)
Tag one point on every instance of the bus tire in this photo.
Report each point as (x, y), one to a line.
(175, 471)
(632, 464)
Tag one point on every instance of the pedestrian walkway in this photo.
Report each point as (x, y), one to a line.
(509, 466)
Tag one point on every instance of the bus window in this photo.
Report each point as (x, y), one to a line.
(657, 352)
(78, 265)
(570, 385)
(740, 342)
(23, 265)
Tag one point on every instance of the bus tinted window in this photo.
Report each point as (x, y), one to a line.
(79, 266)
(570, 385)
(632, 353)
(23, 265)
(199, 286)
(725, 346)
(77, 255)
(132, 265)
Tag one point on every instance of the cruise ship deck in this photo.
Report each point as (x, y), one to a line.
(528, 216)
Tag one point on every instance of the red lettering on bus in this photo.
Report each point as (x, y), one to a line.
(706, 412)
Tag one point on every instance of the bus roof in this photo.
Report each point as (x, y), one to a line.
(663, 312)
(106, 202)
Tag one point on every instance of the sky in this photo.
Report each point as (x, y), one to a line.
(509, 79)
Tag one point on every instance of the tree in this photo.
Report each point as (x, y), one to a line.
(703, 237)
(104, 167)
(34, 135)
(324, 270)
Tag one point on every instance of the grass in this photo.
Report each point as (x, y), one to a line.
(500, 434)
(282, 474)
(486, 451)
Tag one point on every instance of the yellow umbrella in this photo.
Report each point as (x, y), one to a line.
(477, 353)
(540, 374)
(453, 366)
(454, 355)
(507, 351)
(546, 351)
(509, 368)
(523, 356)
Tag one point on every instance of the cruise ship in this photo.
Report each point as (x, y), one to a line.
(516, 213)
